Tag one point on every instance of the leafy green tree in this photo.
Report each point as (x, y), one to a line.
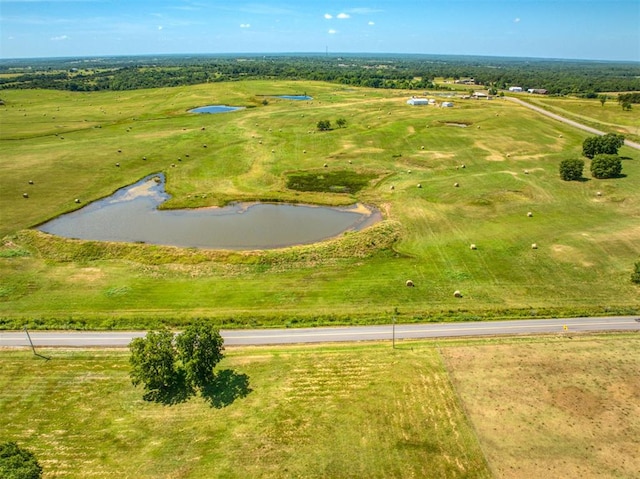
(603, 99)
(200, 349)
(17, 463)
(172, 368)
(606, 166)
(606, 144)
(626, 106)
(153, 363)
(324, 125)
(571, 169)
(341, 122)
(635, 276)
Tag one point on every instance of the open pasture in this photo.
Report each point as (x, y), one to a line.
(554, 407)
(502, 157)
(344, 412)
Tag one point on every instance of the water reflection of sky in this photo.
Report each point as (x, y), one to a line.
(131, 215)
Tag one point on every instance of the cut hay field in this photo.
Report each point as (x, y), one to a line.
(525, 407)
(359, 411)
(503, 157)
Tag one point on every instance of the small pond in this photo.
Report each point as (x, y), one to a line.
(215, 109)
(131, 215)
(295, 97)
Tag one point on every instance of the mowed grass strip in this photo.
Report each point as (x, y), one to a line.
(564, 406)
(318, 412)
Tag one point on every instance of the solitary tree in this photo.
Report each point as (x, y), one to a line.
(603, 99)
(571, 169)
(17, 463)
(175, 367)
(341, 122)
(606, 166)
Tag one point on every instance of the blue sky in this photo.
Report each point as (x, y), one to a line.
(580, 29)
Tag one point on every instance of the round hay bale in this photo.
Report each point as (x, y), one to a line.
(118, 165)
(409, 171)
(560, 136)
(202, 129)
(473, 246)
(326, 165)
(77, 200)
(260, 142)
(350, 162)
(304, 151)
(422, 147)
(409, 283)
(529, 214)
(25, 195)
(144, 158)
(179, 159)
(419, 185)
(457, 294)
(463, 166)
(456, 185)
(119, 151)
(599, 193)
(508, 155)
(534, 246)
(273, 151)
(393, 187)
(187, 156)
(173, 165)
(526, 172)
(204, 146)
(30, 182)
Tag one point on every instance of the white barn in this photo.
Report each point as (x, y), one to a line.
(515, 89)
(447, 104)
(417, 101)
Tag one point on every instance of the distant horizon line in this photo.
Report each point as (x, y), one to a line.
(315, 54)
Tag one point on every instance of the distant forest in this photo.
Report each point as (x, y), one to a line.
(558, 77)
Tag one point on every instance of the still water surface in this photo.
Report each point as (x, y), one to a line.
(215, 109)
(131, 215)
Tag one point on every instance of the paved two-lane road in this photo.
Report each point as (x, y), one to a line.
(257, 337)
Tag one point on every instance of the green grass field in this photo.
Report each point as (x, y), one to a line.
(68, 144)
(343, 412)
(550, 406)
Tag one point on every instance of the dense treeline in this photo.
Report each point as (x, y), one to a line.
(400, 71)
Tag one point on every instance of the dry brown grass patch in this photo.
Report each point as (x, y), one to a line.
(561, 407)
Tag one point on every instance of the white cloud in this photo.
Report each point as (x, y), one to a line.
(332, 32)
(364, 11)
(343, 16)
(60, 38)
(372, 23)
(160, 27)
(328, 16)
(517, 20)
(245, 25)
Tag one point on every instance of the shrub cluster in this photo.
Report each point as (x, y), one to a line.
(606, 166)
(571, 169)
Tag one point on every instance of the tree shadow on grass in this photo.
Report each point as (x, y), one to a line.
(177, 393)
(226, 387)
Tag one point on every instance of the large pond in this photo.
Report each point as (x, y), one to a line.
(215, 109)
(132, 215)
